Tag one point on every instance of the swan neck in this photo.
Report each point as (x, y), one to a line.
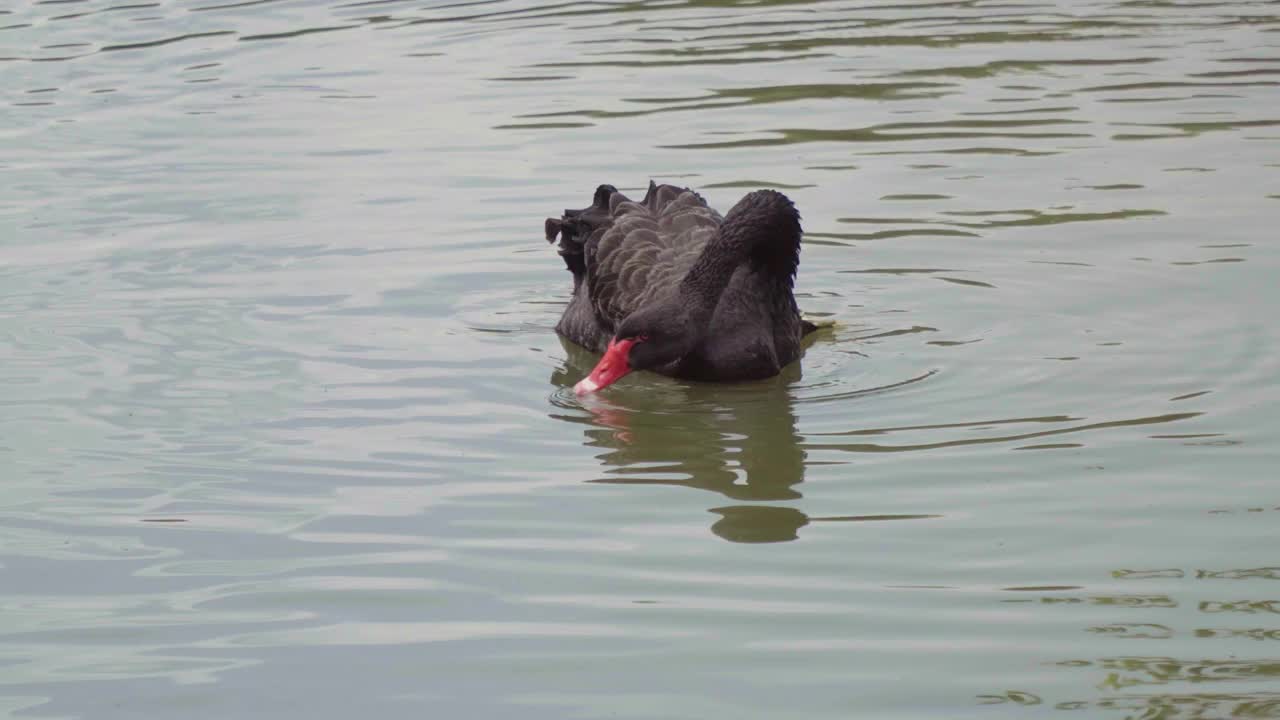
(711, 272)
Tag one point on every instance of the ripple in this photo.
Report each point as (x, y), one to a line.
(898, 132)
(164, 41)
(384, 634)
(282, 385)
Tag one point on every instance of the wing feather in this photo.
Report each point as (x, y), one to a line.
(645, 250)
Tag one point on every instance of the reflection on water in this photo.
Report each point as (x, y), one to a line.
(742, 444)
(758, 523)
(1215, 685)
(739, 441)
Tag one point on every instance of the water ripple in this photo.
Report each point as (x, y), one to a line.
(289, 432)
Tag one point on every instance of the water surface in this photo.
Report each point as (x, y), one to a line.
(289, 434)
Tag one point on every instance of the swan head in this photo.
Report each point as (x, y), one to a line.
(645, 340)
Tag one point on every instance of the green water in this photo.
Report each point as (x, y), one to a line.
(286, 430)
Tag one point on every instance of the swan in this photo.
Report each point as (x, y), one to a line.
(666, 284)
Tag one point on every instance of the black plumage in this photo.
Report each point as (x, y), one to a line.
(709, 296)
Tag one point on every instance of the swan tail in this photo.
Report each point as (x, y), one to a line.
(575, 227)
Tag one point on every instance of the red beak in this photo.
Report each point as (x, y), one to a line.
(611, 367)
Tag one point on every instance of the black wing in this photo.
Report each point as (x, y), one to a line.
(646, 250)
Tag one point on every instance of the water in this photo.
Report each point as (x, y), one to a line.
(287, 431)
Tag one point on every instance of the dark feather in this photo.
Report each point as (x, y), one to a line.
(628, 256)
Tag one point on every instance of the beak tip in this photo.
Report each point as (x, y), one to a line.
(585, 386)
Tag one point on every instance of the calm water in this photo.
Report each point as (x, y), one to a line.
(286, 431)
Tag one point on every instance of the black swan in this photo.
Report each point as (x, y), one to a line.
(666, 284)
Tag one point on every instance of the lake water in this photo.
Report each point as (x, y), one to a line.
(286, 431)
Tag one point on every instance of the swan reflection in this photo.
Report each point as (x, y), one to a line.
(736, 440)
